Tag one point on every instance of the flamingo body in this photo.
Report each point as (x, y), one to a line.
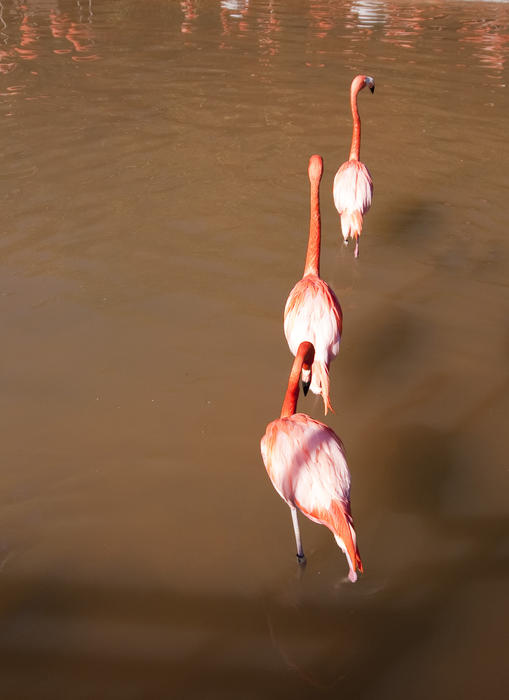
(306, 463)
(353, 194)
(313, 313)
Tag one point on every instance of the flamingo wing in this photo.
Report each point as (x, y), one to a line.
(306, 463)
(353, 188)
(313, 313)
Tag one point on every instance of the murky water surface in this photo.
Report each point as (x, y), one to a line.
(154, 218)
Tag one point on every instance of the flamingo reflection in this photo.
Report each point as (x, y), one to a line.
(190, 13)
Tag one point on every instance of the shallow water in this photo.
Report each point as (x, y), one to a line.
(155, 217)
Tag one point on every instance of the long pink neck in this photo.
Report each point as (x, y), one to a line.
(355, 149)
(303, 359)
(315, 171)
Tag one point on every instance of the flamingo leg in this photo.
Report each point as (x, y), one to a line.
(300, 552)
(356, 252)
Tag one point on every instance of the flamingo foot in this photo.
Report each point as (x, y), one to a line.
(301, 558)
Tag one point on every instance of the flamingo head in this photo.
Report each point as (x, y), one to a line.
(315, 168)
(370, 83)
(306, 375)
(306, 380)
(360, 82)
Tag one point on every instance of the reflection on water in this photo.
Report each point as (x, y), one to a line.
(369, 12)
(154, 217)
(190, 14)
(490, 39)
(25, 27)
(403, 28)
(78, 34)
(235, 8)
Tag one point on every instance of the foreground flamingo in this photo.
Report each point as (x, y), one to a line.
(306, 464)
(353, 186)
(312, 311)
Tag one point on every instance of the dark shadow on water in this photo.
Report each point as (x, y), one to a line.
(408, 467)
(411, 221)
(63, 640)
(83, 641)
(386, 341)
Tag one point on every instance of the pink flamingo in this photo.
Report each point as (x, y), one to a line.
(306, 463)
(353, 186)
(312, 311)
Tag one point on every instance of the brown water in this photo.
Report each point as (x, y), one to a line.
(154, 218)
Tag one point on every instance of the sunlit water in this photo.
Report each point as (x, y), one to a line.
(154, 218)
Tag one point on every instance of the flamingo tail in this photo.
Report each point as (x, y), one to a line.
(351, 224)
(345, 537)
(320, 382)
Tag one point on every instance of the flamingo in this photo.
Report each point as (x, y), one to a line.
(306, 463)
(353, 186)
(312, 311)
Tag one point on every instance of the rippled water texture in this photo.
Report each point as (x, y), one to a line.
(155, 207)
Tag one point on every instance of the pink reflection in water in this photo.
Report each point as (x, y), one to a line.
(233, 16)
(490, 42)
(79, 36)
(322, 18)
(403, 26)
(268, 28)
(29, 36)
(190, 13)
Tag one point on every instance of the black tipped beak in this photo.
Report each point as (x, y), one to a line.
(372, 88)
(305, 387)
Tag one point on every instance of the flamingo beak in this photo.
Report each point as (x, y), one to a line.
(306, 380)
(372, 88)
(370, 83)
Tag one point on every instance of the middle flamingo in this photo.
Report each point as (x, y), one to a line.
(312, 311)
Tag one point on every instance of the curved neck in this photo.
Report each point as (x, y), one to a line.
(312, 266)
(303, 360)
(355, 148)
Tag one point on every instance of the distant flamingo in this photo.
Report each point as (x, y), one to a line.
(353, 186)
(306, 463)
(312, 311)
